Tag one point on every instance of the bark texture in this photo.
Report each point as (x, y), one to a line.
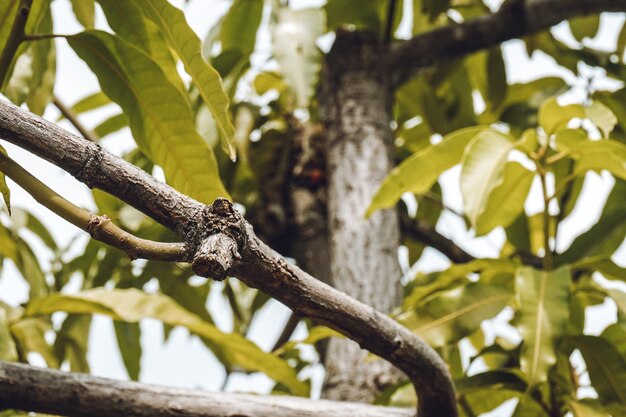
(28, 388)
(356, 98)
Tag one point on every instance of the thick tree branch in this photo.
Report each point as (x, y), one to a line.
(253, 262)
(517, 18)
(99, 227)
(25, 387)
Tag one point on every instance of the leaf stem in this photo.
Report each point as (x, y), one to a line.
(99, 227)
(16, 36)
(547, 257)
(391, 11)
(43, 36)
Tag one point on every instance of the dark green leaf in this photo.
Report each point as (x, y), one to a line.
(129, 341)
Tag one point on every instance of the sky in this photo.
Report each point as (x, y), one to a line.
(176, 363)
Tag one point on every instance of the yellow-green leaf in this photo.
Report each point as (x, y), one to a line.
(542, 318)
(85, 12)
(483, 163)
(419, 172)
(602, 116)
(585, 27)
(507, 199)
(8, 350)
(159, 115)
(4, 188)
(132, 305)
(553, 116)
(187, 45)
(29, 335)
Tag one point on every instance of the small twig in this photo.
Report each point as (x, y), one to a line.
(391, 11)
(287, 332)
(43, 36)
(73, 119)
(16, 36)
(99, 227)
(425, 233)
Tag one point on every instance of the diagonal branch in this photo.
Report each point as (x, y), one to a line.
(51, 391)
(221, 243)
(515, 19)
(69, 114)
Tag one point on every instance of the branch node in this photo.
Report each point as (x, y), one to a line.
(221, 240)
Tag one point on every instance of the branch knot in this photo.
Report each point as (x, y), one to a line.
(220, 241)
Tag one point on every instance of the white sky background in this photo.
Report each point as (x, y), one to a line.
(184, 361)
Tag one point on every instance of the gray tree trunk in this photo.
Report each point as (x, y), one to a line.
(355, 101)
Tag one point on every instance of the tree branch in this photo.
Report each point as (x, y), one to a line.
(515, 19)
(99, 227)
(25, 387)
(252, 261)
(423, 232)
(16, 36)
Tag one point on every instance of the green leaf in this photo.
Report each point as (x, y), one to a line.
(111, 125)
(604, 237)
(130, 24)
(129, 341)
(240, 25)
(294, 34)
(455, 314)
(506, 202)
(8, 350)
(189, 49)
(600, 155)
(89, 102)
(72, 341)
(585, 27)
(483, 164)
(553, 116)
(603, 265)
(4, 188)
(586, 407)
(133, 305)
(43, 54)
(85, 12)
(159, 116)
(607, 369)
(29, 335)
(542, 318)
(602, 116)
(356, 13)
(419, 172)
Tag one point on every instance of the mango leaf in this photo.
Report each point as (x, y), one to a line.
(600, 155)
(607, 369)
(89, 102)
(29, 335)
(483, 164)
(129, 341)
(506, 201)
(419, 172)
(189, 49)
(240, 24)
(456, 313)
(129, 23)
(85, 12)
(603, 265)
(43, 53)
(586, 407)
(553, 116)
(601, 116)
(585, 27)
(23, 219)
(113, 124)
(133, 305)
(8, 350)
(528, 407)
(160, 118)
(294, 34)
(604, 237)
(72, 341)
(542, 318)
(362, 15)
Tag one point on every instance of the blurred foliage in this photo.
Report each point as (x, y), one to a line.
(242, 97)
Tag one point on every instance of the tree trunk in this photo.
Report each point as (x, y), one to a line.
(355, 102)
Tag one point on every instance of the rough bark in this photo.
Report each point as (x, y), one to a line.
(28, 388)
(355, 99)
(255, 263)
